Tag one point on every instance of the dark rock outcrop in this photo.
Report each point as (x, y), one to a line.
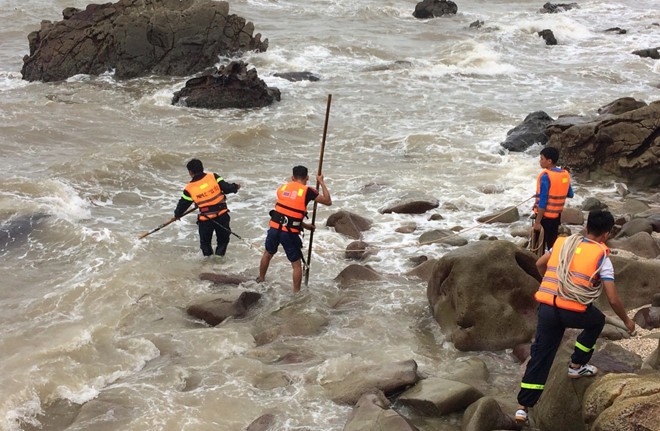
(216, 311)
(558, 7)
(653, 53)
(531, 131)
(349, 224)
(232, 86)
(626, 145)
(137, 38)
(548, 36)
(434, 8)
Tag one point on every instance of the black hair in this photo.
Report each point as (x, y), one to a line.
(300, 172)
(599, 222)
(551, 153)
(195, 166)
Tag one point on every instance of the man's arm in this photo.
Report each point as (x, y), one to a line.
(543, 201)
(225, 186)
(542, 263)
(183, 205)
(323, 197)
(617, 305)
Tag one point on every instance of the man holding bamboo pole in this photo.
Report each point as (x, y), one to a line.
(287, 222)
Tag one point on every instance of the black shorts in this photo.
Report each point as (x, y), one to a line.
(291, 243)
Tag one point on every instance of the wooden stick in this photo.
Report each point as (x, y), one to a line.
(320, 170)
(172, 220)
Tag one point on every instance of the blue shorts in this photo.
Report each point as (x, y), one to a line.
(291, 243)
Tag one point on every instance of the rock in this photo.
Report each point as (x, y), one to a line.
(572, 216)
(641, 244)
(653, 53)
(625, 145)
(232, 86)
(223, 278)
(434, 8)
(437, 396)
(349, 224)
(353, 274)
(216, 311)
(621, 105)
(262, 423)
(617, 30)
(636, 281)
(442, 236)
(138, 38)
(410, 206)
(623, 402)
(507, 215)
(358, 250)
(372, 412)
(387, 377)
(558, 7)
(548, 36)
(297, 76)
(482, 295)
(530, 132)
(635, 226)
(592, 204)
(648, 318)
(485, 415)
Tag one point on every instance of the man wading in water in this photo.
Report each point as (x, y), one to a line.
(286, 222)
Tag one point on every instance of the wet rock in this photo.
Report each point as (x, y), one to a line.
(548, 36)
(138, 38)
(216, 311)
(372, 412)
(442, 236)
(358, 250)
(481, 295)
(437, 396)
(411, 206)
(572, 216)
(434, 8)
(653, 53)
(298, 76)
(349, 224)
(531, 131)
(232, 86)
(507, 215)
(353, 274)
(558, 7)
(263, 423)
(641, 244)
(621, 105)
(486, 414)
(223, 278)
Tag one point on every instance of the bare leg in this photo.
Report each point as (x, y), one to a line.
(297, 275)
(263, 266)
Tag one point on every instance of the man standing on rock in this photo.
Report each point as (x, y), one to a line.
(576, 271)
(553, 186)
(286, 222)
(208, 191)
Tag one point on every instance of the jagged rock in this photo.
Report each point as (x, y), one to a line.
(138, 38)
(298, 76)
(625, 145)
(232, 86)
(434, 8)
(531, 131)
(558, 7)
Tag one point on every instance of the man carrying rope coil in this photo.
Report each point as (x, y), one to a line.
(576, 270)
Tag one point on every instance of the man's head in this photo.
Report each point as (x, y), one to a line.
(195, 167)
(300, 173)
(549, 154)
(599, 222)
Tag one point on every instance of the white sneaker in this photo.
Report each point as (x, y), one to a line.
(585, 370)
(521, 416)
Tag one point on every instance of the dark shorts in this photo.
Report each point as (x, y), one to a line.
(291, 243)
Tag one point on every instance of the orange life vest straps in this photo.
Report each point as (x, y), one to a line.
(208, 196)
(560, 182)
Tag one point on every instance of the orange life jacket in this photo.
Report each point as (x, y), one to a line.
(560, 182)
(585, 262)
(208, 196)
(291, 207)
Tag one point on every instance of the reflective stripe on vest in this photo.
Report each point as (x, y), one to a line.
(208, 196)
(560, 182)
(291, 202)
(585, 262)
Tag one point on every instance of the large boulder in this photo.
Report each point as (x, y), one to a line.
(636, 281)
(137, 38)
(482, 295)
(372, 412)
(231, 86)
(625, 145)
(434, 8)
